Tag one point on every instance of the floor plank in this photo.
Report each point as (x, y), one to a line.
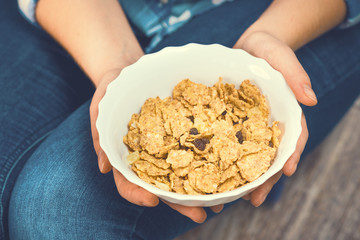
(320, 201)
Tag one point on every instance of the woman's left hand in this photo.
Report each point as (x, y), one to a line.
(282, 58)
(126, 189)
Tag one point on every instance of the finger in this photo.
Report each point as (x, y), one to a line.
(259, 195)
(291, 164)
(197, 214)
(247, 197)
(93, 117)
(217, 208)
(287, 63)
(133, 193)
(94, 111)
(94, 105)
(103, 161)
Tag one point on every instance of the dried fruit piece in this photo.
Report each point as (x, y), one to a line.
(162, 186)
(239, 136)
(133, 157)
(200, 143)
(194, 131)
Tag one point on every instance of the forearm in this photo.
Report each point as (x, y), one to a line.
(96, 33)
(297, 22)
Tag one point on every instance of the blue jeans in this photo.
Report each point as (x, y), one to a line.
(50, 184)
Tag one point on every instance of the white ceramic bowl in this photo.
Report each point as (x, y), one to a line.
(157, 74)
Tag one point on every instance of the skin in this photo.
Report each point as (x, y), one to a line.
(98, 36)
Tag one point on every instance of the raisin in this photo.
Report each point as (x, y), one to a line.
(191, 118)
(271, 144)
(239, 136)
(234, 123)
(200, 143)
(224, 113)
(206, 141)
(246, 118)
(194, 131)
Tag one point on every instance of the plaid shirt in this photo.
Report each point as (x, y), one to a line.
(157, 18)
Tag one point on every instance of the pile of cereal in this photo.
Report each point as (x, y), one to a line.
(203, 139)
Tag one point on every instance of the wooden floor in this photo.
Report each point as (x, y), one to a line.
(320, 202)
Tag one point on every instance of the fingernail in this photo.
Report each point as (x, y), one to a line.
(101, 161)
(246, 197)
(310, 93)
(261, 201)
(147, 204)
(143, 204)
(293, 169)
(218, 210)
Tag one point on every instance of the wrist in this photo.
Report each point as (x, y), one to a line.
(108, 76)
(113, 69)
(257, 31)
(250, 41)
(297, 22)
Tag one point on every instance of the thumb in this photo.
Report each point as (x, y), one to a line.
(103, 161)
(282, 58)
(295, 76)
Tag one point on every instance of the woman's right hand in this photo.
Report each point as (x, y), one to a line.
(281, 57)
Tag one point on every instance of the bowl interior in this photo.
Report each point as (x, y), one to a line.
(157, 74)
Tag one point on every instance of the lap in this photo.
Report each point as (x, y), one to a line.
(332, 64)
(39, 87)
(60, 194)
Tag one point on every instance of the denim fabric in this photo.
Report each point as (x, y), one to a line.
(352, 13)
(39, 87)
(50, 184)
